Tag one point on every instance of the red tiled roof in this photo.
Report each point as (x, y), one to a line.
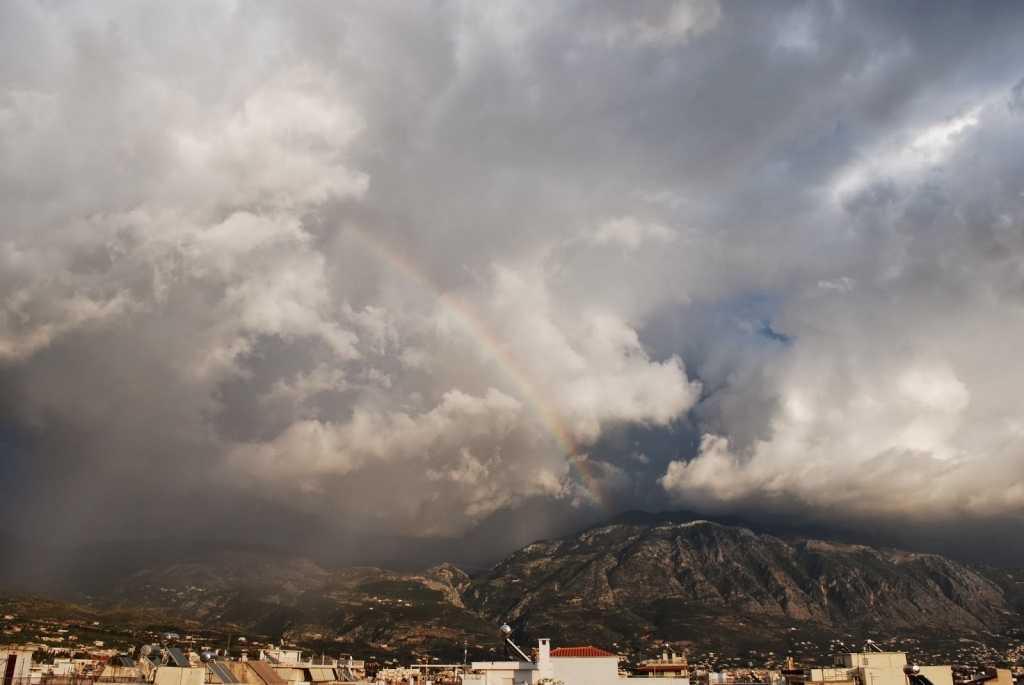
(580, 651)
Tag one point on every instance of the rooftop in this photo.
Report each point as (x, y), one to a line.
(587, 651)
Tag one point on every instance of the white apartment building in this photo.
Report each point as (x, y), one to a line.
(876, 668)
(15, 665)
(566, 665)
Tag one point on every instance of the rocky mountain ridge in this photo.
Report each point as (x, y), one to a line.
(643, 577)
(631, 581)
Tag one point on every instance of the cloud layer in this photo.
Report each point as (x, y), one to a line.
(409, 269)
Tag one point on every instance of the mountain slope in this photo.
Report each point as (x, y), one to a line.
(647, 577)
(628, 583)
(296, 599)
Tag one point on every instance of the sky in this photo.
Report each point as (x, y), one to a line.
(332, 274)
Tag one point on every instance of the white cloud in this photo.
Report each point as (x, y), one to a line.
(282, 146)
(437, 449)
(889, 403)
(30, 321)
(310, 449)
(873, 428)
(630, 233)
(660, 23)
(906, 156)
(590, 364)
(568, 202)
(305, 386)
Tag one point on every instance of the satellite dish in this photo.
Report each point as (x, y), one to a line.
(145, 650)
(505, 629)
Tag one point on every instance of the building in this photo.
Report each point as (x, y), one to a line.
(220, 673)
(256, 673)
(62, 667)
(581, 665)
(15, 666)
(567, 665)
(867, 668)
(351, 670)
(668, 666)
(740, 676)
(120, 669)
(998, 676)
(179, 675)
(290, 665)
(398, 676)
(281, 656)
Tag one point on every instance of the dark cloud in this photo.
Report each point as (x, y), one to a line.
(345, 274)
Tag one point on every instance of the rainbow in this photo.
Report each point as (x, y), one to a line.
(478, 331)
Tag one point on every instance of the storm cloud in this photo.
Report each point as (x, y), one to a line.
(419, 270)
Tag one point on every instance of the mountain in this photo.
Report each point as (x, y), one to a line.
(296, 599)
(712, 586)
(677, 579)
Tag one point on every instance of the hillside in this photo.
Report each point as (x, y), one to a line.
(298, 600)
(676, 580)
(628, 583)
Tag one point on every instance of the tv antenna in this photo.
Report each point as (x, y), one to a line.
(870, 644)
(506, 633)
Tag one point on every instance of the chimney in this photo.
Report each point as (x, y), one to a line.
(544, 654)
